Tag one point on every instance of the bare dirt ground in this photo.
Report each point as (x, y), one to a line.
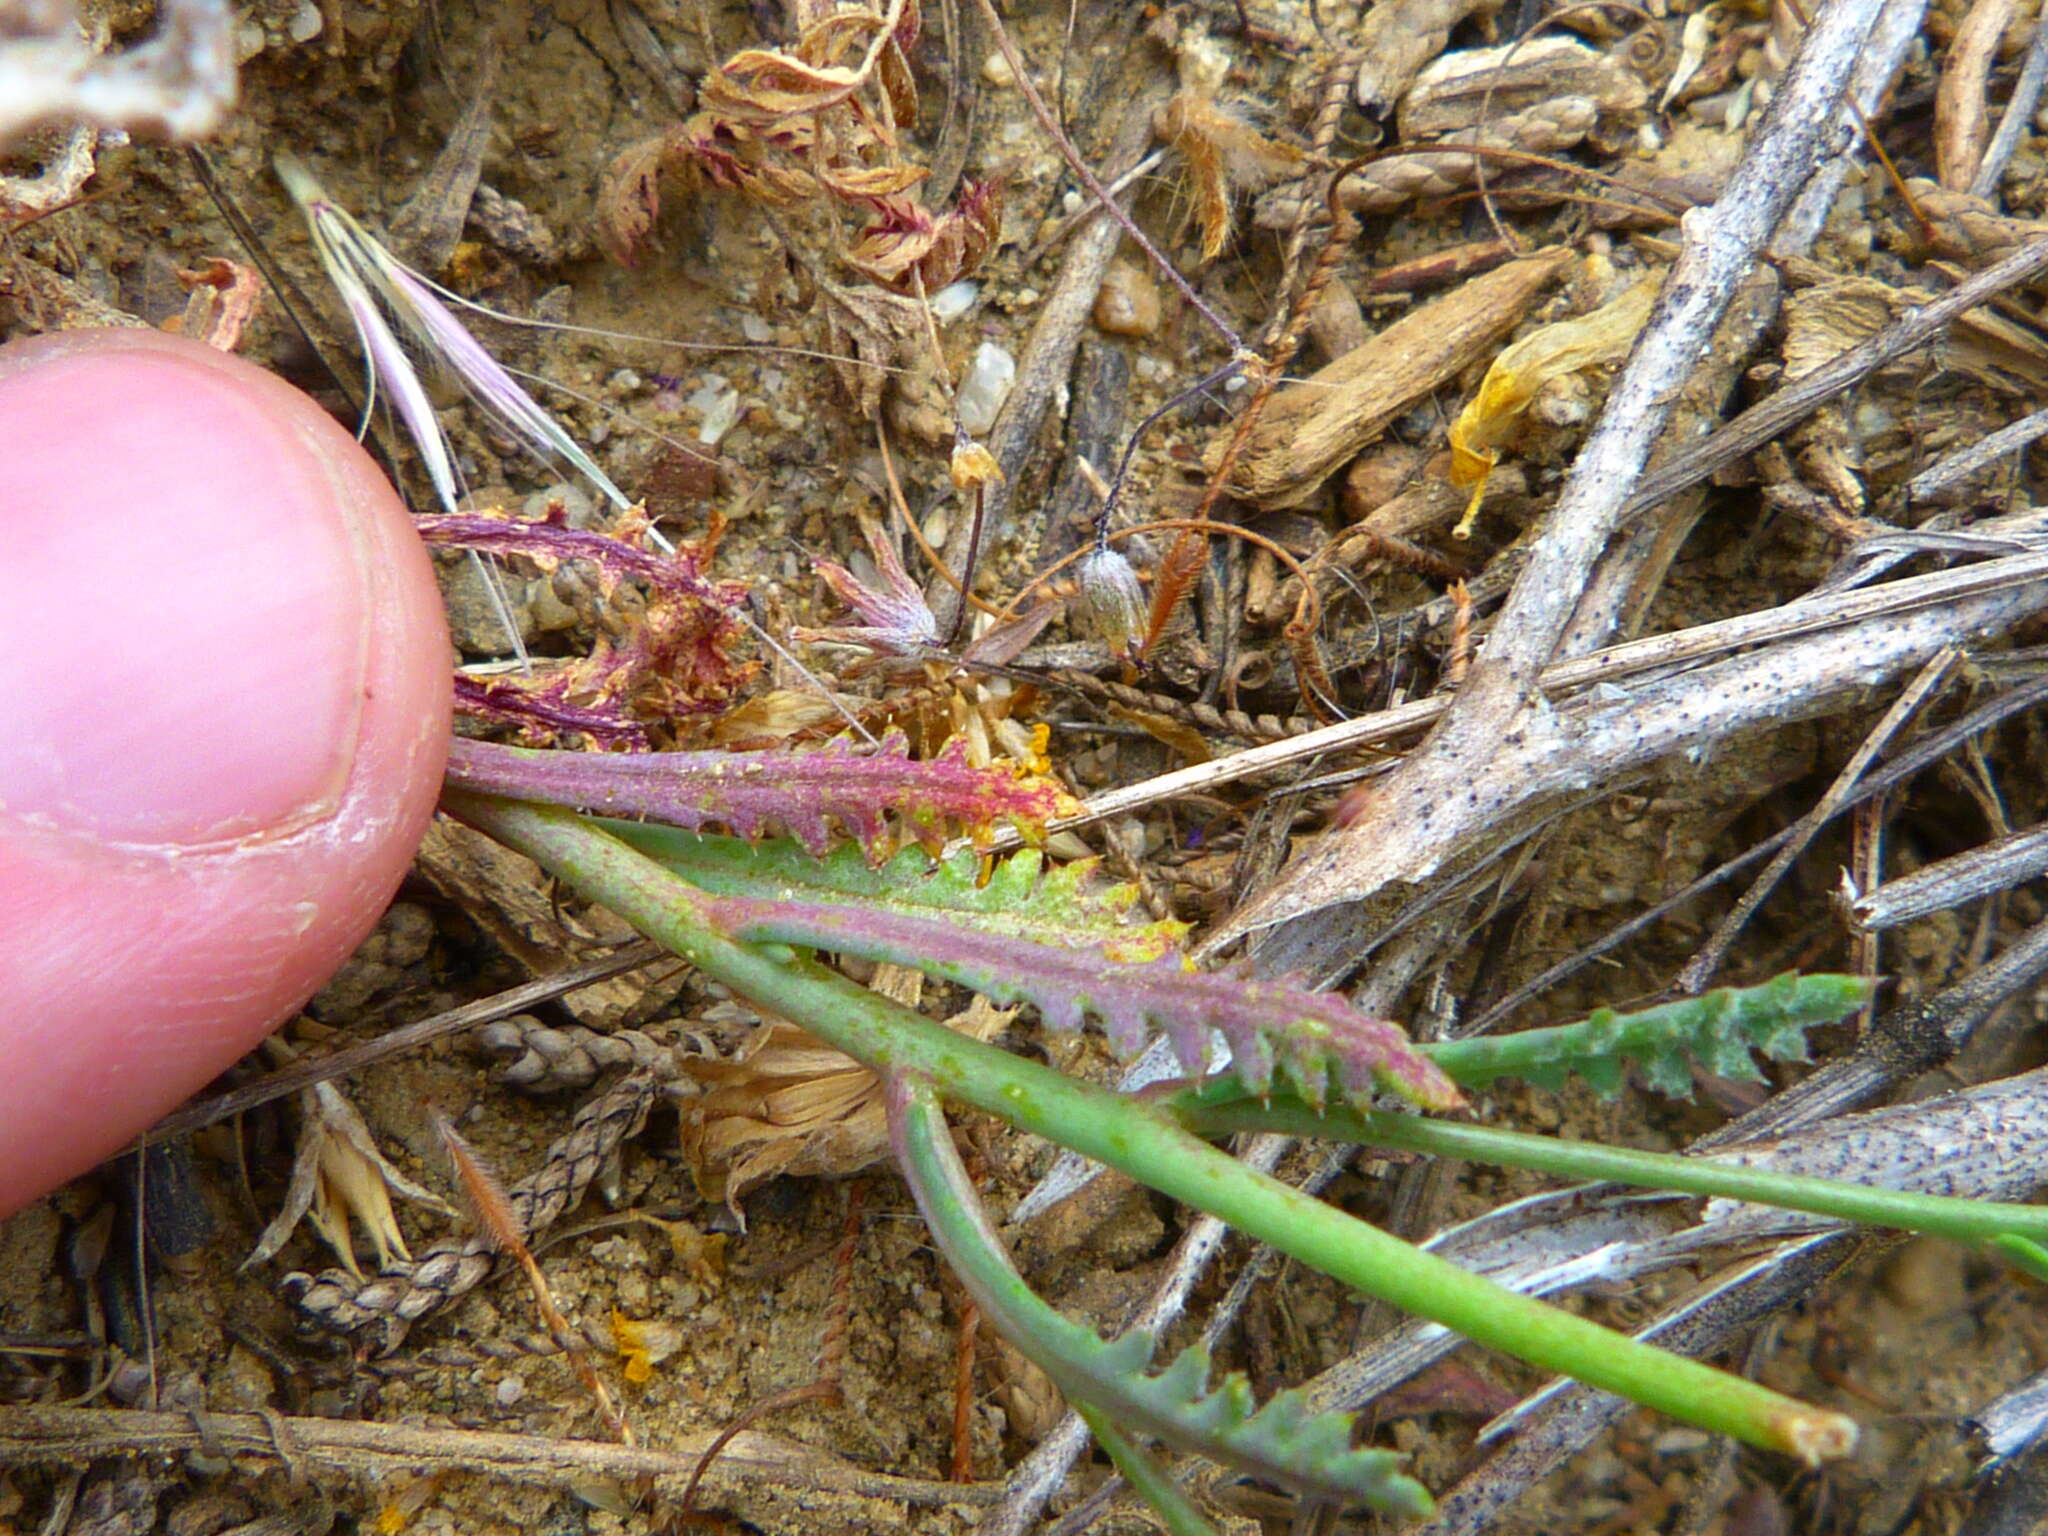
(709, 379)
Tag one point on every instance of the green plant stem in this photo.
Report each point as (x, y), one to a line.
(1960, 1220)
(1281, 1443)
(1142, 1470)
(1146, 1144)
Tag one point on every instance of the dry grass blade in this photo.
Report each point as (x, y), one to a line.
(497, 1221)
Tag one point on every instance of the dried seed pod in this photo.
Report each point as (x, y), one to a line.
(1112, 599)
(973, 467)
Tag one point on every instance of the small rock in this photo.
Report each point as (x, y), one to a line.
(954, 300)
(718, 406)
(1127, 304)
(995, 69)
(984, 388)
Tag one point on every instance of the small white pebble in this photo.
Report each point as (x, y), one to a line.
(306, 22)
(995, 69)
(755, 329)
(984, 387)
(953, 301)
(718, 406)
(509, 1391)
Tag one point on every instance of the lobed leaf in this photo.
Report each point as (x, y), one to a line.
(1720, 1030)
(749, 791)
(1283, 1442)
(1133, 986)
(1019, 896)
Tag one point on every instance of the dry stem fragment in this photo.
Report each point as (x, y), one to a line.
(1962, 119)
(1310, 429)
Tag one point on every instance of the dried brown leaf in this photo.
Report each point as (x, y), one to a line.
(1492, 418)
(629, 198)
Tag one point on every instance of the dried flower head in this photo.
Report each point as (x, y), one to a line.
(787, 1104)
(895, 619)
(973, 467)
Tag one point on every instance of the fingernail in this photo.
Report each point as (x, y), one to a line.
(170, 678)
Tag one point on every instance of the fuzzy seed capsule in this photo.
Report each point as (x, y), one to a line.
(1112, 600)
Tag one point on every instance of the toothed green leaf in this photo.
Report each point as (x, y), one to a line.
(1722, 1031)
(1022, 896)
(1282, 1443)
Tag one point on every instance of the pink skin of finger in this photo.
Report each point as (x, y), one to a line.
(224, 712)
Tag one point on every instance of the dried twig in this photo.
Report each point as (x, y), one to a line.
(319, 1069)
(1499, 708)
(1985, 871)
(1962, 118)
(1803, 616)
(1955, 468)
(2019, 111)
(1798, 399)
(1701, 968)
(34, 1435)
